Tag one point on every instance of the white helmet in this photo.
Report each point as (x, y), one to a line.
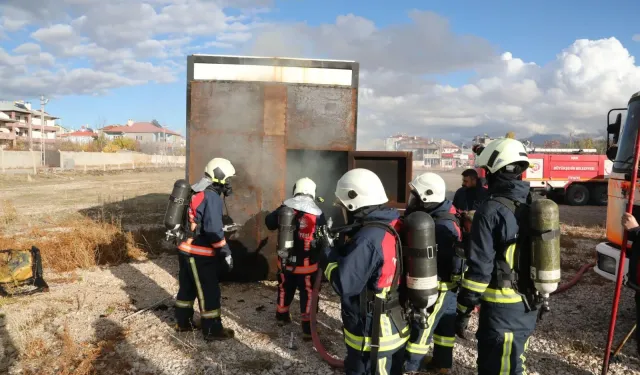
(430, 187)
(218, 170)
(502, 152)
(360, 188)
(305, 186)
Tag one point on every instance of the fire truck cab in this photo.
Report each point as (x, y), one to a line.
(620, 150)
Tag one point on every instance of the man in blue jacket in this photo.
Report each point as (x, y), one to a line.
(364, 273)
(198, 275)
(506, 319)
(302, 263)
(428, 195)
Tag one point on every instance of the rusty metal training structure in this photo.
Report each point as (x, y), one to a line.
(277, 120)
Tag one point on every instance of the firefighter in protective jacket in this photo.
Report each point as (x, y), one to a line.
(506, 322)
(198, 276)
(428, 195)
(363, 272)
(302, 264)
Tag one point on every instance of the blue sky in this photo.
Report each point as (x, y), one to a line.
(533, 31)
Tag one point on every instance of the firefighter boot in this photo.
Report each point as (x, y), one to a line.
(283, 318)
(220, 335)
(431, 367)
(188, 326)
(306, 331)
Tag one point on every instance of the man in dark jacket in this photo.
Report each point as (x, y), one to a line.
(630, 223)
(364, 273)
(505, 322)
(302, 263)
(428, 195)
(472, 193)
(198, 275)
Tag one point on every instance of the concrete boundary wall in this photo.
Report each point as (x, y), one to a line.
(128, 160)
(20, 160)
(66, 160)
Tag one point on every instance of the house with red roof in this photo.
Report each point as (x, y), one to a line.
(143, 132)
(84, 136)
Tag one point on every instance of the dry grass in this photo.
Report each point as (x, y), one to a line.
(85, 244)
(595, 232)
(9, 213)
(65, 356)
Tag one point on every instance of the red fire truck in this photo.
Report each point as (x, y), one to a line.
(580, 175)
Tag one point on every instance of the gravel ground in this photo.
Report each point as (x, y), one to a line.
(92, 304)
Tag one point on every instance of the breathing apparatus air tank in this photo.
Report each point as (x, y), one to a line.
(286, 230)
(176, 209)
(420, 264)
(545, 247)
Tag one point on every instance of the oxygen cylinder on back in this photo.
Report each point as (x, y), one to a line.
(420, 262)
(545, 246)
(178, 202)
(286, 229)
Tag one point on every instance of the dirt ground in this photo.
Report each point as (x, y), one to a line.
(84, 324)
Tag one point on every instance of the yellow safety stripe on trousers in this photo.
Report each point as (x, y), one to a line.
(463, 308)
(387, 343)
(385, 322)
(421, 346)
(184, 304)
(523, 358)
(192, 261)
(503, 295)
(329, 269)
(473, 286)
(211, 314)
(446, 286)
(505, 362)
(444, 340)
(382, 366)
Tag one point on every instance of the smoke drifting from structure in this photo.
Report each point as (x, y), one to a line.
(325, 169)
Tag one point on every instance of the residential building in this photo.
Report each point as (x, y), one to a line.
(144, 132)
(427, 152)
(83, 136)
(21, 115)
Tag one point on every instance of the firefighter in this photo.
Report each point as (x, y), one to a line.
(302, 263)
(428, 195)
(198, 275)
(472, 193)
(506, 320)
(363, 272)
(630, 223)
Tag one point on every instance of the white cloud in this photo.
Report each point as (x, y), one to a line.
(123, 42)
(571, 93)
(91, 46)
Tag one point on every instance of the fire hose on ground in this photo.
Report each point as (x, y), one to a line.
(339, 363)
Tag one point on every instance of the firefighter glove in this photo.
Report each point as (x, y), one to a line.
(229, 261)
(463, 314)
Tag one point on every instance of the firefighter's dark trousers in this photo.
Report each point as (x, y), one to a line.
(503, 337)
(198, 277)
(390, 353)
(441, 327)
(288, 283)
(359, 363)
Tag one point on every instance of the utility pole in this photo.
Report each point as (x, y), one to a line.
(43, 102)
